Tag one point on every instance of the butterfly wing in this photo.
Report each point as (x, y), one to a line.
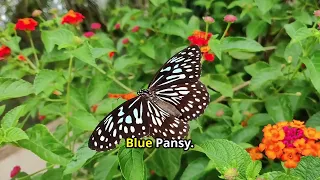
(183, 67)
(164, 125)
(127, 120)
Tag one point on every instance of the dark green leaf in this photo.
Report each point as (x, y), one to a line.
(213, 108)
(256, 28)
(107, 167)
(254, 69)
(260, 119)
(313, 66)
(314, 120)
(195, 169)
(241, 44)
(79, 159)
(215, 46)
(264, 76)
(13, 88)
(265, 6)
(131, 163)
(44, 79)
(149, 50)
(279, 108)
(245, 134)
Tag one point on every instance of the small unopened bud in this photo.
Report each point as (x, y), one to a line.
(316, 13)
(230, 18)
(298, 94)
(220, 113)
(77, 40)
(289, 59)
(56, 92)
(283, 66)
(208, 19)
(36, 13)
(231, 174)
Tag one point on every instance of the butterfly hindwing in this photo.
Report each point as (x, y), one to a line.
(127, 120)
(183, 67)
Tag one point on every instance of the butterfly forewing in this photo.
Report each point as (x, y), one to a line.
(127, 120)
(183, 67)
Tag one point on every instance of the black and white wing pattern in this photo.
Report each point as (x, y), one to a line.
(127, 120)
(183, 67)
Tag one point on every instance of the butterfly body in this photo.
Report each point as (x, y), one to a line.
(173, 97)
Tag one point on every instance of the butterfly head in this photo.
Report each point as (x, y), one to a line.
(144, 92)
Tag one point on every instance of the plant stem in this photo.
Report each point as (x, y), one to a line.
(294, 73)
(33, 48)
(252, 100)
(207, 28)
(225, 31)
(24, 177)
(68, 96)
(120, 84)
(221, 98)
(150, 155)
(32, 65)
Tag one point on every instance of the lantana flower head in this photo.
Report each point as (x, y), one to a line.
(289, 141)
(26, 24)
(230, 18)
(72, 17)
(201, 39)
(4, 52)
(88, 34)
(95, 25)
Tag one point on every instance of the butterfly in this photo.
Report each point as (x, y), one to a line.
(174, 96)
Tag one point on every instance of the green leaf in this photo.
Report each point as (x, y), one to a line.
(109, 104)
(256, 28)
(308, 168)
(166, 162)
(13, 88)
(253, 169)
(2, 108)
(313, 67)
(55, 56)
(215, 46)
(260, 119)
(149, 50)
(292, 28)
(173, 28)
(195, 170)
(83, 120)
(277, 175)
(84, 54)
(77, 98)
(301, 34)
(226, 155)
(11, 118)
(44, 79)
(55, 174)
(158, 2)
(125, 62)
(180, 10)
(79, 159)
(241, 44)
(314, 120)
(241, 55)
(219, 83)
(265, 6)
(14, 134)
(98, 52)
(294, 50)
(213, 108)
(131, 163)
(254, 69)
(13, 43)
(43, 144)
(97, 89)
(107, 167)
(303, 16)
(264, 76)
(245, 134)
(61, 37)
(279, 108)
(193, 24)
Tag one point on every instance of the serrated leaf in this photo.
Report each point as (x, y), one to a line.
(226, 155)
(131, 163)
(264, 76)
(84, 54)
(277, 175)
(79, 159)
(43, 144)
(253, 169)
(60, 37)
(44, 79)
(11, 118)
(83, 120)
(13, 88)
(195, 170)
(241, 44)
(107, 167)
(166, 162)
(279, 108)
(308, 168)
(313, 66)
(14, 134)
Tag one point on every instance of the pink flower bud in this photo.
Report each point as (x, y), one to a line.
(36, 13)
(135, 29)
(88, 34)
(117, 26)
(125, 41)
(230, 18)
(208, 19)
(15, 171)
(316, 13)
(95, 25)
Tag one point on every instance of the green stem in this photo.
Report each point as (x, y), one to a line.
(32, 65)
(288, 171)
(252, 100)
(68, 95)
(53, 100)
(120, 84)
(225, 31)
(33, 48)
(207, 28)
(294, 73)
(150, 155)
(24, 177)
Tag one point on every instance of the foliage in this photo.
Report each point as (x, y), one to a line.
(265, 70)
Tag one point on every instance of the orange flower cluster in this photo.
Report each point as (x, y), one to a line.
(289, 141)
(201, 39)
(123, 96)
(72, 17)
(26, 24)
